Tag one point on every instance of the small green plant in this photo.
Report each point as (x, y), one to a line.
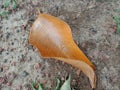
(4, 13)
(8, 2)
(117, 19)
(65, 86)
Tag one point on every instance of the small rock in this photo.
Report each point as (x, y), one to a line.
(9, 83)
(62, 78)
(45, 81)
(113, 29)
(13, 63)
(5, 60)
(8, 35)
(62, 17)
(1, 69)
(2, 80)
(93, 30)
(107, 56)
(11, 76)
(63, 63)
(12, 43)
(27, 87)
(19, 87)
(73, 82)
(78, 72)
(34, 3)
(37, 66)
(5, 68)
(18, 31)
(24, 73)
(1, 50)
(0, 17)
(30, 47)
(47, 75)
(96, 53)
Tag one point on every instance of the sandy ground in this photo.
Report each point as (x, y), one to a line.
(92, 27)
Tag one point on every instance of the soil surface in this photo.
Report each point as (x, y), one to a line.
(93, 29)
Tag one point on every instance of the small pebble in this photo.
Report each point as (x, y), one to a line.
(78, 72)
(24, 73)
(45, 81)
(93, 30)
(12, 43)
(37, 66)
(47, 75)
(19, 87)
(62, 78)
(5, 68)
(1, 50)
(107, 56)
(1, 69)
(2, 80)
(9, 83)
(27, 86)
(29, 47)
(8, 35)
(0, 17)
(63, 63)
(73, 82)
(5, 60)
(18, 31)
(13, 63)
(11, 75)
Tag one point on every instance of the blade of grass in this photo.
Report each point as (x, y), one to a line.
(40, 87)
(117, 19)
(118, 29)
(14, 4)
(58, 85)
(66, 84)
(33, 84)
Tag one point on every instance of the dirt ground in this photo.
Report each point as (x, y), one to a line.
(93, 29)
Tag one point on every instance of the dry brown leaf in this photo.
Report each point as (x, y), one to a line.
(53, 38)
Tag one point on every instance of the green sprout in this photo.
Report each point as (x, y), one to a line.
(8, 2)
(3, 14)
(117, 19)
(65, 86)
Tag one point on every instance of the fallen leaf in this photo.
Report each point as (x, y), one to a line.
(53, 38)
